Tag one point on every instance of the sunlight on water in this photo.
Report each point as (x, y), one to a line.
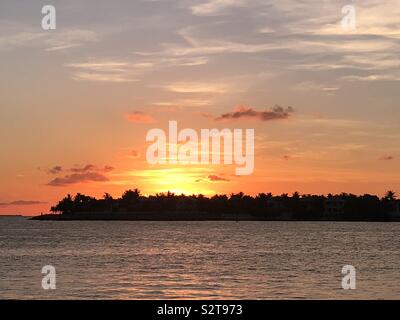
(196, 260)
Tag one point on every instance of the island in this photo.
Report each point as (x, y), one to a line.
(132, 205)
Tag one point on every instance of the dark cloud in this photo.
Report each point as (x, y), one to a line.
(276, 113)
(55, 170)
(87, 168)
(78, 178)
(108, 168)
(21, 203)
(91, 168)
(87, 173)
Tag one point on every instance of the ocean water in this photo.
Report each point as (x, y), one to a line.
(198, 260)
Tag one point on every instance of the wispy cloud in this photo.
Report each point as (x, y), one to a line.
(107, 70)
(387, 158)
(214, 7)
(196, 87)
(373, 77)
(139, 117)
(184, 103)
(276, 113)
(116, 70)
(21, 203)
(13, 35)
(212, 178)
(70, 38)
(215, 178)
(308, 32)
(313, 86)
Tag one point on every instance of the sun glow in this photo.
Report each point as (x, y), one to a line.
(187, 180)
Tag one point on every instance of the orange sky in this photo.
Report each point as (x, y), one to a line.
(76, 102)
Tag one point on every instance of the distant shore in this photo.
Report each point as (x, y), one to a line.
(133, 206)
(11, 215)
(181, 216)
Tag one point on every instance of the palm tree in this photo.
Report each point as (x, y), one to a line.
(390, 196)
(66, 205)
(108, 199)
(131, 196)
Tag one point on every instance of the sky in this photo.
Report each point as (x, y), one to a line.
(77, 102)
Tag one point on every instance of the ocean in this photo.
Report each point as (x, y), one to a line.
(198, 260)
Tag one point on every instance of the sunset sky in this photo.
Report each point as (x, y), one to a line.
(76, 102)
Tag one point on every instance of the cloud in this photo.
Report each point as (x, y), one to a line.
(212, 178)
(373, 77)
(112, 70)
(13, 35)
(196, 87)
(108, 168)
(91, 167)
(99, 77)
(139, 117)
(214, 7)
(55, 170)
(215, 178)
(184, 103)
(312, 86)
(21, 203)
(276, 113)
(86, 168)
(70, 38)
(108, 70)
(87, 173)
(78, 178)
(375, 18)
(387, 158)
(304, 31)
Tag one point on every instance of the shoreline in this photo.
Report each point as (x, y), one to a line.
(146, 216)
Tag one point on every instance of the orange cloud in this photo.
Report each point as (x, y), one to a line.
(213, 178)
(139, 117)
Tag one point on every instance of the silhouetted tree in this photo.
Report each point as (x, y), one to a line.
(264, 206)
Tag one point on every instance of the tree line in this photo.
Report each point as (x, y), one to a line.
(264, 205)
